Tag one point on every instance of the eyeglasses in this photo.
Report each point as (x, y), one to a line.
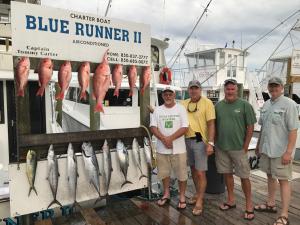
(195, 109)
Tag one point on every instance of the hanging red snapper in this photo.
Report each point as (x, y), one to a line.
(64, 78)
(101, 82)
(22, 73)
(132, 77)
(45, 71)
(84, 78)
(117, 76)
(146, 78)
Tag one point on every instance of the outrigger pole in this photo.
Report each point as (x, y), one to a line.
(180, 49)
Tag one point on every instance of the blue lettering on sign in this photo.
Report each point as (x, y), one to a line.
(52, 25)
(9, 221)
(86, 30)
(30, 22)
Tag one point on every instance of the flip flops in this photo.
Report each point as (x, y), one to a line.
(282, 220)
(226, 207)
(179, 205)
(164, 201)
(247, 214)
(197, 211)
(266, 208)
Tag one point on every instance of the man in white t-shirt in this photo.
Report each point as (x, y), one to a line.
(169, 123)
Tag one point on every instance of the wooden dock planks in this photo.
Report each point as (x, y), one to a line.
(91, 217)
(43, 222)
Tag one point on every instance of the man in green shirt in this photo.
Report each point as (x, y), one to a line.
(235, 121)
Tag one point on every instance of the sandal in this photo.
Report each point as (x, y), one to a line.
(181, 203)
(247, 214)
(163, 201)
(282, 220)
(197, 211)
(192, 201)
(226, 206)
(265, 208)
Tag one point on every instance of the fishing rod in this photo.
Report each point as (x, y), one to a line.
(251, 45)
(180, 49)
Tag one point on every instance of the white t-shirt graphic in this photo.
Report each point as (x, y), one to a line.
(168, 121)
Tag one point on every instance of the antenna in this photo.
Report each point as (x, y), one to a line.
(180, 49)
(107, 8)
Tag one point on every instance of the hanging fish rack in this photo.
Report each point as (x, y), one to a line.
(25, 140)
(41, 142)
(34, 62)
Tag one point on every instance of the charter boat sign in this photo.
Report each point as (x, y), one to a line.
(39, 32)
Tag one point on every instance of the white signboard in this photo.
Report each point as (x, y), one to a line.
(295, 68)
(39, 31)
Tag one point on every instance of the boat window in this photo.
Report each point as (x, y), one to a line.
(122, 100)
(1, 103)
(155, 57)
(71, 94)
(178, 95)
(222, 58)
(160, 98)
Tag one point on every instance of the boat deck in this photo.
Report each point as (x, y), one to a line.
(135, 211)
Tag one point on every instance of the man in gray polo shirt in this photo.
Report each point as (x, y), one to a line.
(276, 144)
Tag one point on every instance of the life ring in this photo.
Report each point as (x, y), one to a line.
(165, 76)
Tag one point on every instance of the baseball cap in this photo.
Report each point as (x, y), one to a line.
(194, 83)
(230, 81)
(275, 80)
(169, 88)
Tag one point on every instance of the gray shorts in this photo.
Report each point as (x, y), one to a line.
(196, 154)
(233, 162)
(274, 167)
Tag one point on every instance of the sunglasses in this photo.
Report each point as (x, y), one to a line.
(194, 110)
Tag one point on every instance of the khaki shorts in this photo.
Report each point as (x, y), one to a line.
(168, 162)
(233, 162)
(274, 167)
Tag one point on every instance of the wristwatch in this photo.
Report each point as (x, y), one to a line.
(211, 143)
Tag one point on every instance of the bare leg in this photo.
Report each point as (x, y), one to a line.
(195, 180)
(285, 191)
(272, 185)
(229, 182)
(201, 178)
(182, 187)
(166, 195)
(246, 186)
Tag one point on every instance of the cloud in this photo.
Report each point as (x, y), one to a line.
(243, 21)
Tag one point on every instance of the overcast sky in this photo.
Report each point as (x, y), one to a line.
(226, 20)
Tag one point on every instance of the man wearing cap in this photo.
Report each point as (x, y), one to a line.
(199, 139)
(169, 123)
(276, 144)
(235, 119)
